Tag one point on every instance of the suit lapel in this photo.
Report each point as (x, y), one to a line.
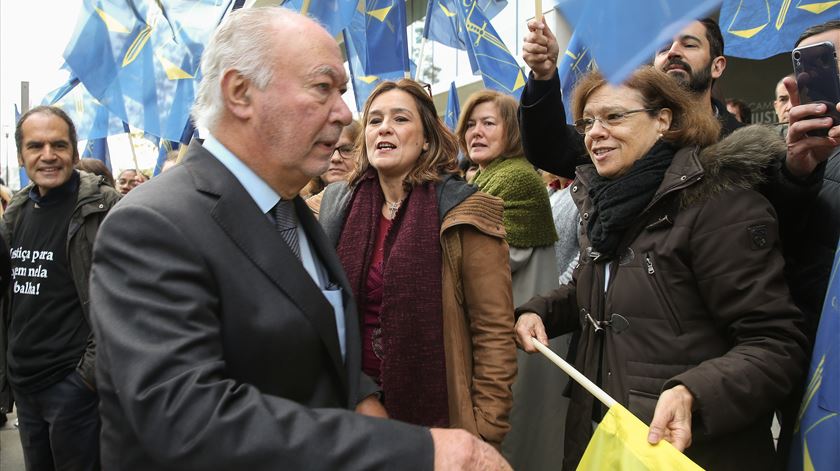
(240, 218)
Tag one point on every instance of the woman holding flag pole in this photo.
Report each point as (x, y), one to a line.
(683, 314)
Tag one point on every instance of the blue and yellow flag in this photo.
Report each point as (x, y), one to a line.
(816, 441)
(141, 59)
(98, 149)
(453, 108)
(575, 63)
(93, 121)
(622, 34)
(378, 32)
(334, 15)
(363, 84)
(463, 25)
(757, 29)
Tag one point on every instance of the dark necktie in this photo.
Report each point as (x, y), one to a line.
(286, 224)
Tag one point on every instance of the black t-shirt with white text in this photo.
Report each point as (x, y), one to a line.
(48, 332)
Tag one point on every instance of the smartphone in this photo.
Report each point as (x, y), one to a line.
(818, 79)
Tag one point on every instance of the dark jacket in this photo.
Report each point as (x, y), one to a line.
(699, 281)
(94, 200)
(220, 352)
(810, 244)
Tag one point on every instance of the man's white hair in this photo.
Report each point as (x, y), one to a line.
(244, 43)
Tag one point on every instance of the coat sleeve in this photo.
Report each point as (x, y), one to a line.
(737, 264)
(489, 302)
(550, 144)
(162, 369)
(558, 309)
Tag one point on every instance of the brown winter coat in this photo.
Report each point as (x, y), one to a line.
(699, 280)
(477, 303)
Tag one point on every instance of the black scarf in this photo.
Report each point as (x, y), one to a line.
(618, 202)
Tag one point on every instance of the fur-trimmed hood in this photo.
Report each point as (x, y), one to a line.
(741, 160)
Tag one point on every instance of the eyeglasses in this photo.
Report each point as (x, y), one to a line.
(345, 152)
(584, 125)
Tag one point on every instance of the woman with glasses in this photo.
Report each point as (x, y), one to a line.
(427, 258)
(341, 164)
(681, 308)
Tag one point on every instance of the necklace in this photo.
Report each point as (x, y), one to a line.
(393, 207)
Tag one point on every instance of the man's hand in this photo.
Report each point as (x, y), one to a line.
(529, 325)
(371, 406)
(805, 152)
(672, 418)
(540, 50)
(458, 450)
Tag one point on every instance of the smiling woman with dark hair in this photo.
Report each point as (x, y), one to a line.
(426, 256)
(681, 308)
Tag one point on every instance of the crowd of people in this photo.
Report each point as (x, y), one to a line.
(305, 291)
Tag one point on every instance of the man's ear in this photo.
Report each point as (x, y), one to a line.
(236, 94)
(718, 66)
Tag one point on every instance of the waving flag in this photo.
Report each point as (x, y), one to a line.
(378, 33)
(621, 35)
(334, 15)
(141, 59)
(363, 83)
(98, 149)
(93, 121)
(462, 24)
(817, 431)
(453, 108)
(575, 63)
(757, 29)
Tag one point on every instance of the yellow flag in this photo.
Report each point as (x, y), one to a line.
(620, 443)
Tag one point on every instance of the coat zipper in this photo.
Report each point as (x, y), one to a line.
(664, 301)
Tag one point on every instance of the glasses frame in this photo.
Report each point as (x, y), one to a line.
(342, 154)
(581, 124)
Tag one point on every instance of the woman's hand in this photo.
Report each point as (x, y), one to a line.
(371, 407)
(672, 418)
(529, 325)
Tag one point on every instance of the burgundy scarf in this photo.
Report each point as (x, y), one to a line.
(413, 365)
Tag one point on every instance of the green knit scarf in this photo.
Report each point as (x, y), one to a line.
(527, 216)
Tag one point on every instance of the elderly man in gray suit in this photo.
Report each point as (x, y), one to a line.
(228, 338)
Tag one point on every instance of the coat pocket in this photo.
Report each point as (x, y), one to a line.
(665, 303)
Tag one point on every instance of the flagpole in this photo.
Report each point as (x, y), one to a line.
(576, 375)
(420, 61)
(133, 152)
(538, 10)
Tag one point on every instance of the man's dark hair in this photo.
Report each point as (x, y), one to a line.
(55, 111)
(744, 111)
(818, 29)
(714, 36)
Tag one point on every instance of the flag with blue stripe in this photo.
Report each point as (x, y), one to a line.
(378, 32)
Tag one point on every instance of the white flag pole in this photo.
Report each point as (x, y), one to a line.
(576, 375)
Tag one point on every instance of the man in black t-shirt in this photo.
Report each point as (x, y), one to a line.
(49, 227)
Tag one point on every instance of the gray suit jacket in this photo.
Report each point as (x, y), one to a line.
(216, 348)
